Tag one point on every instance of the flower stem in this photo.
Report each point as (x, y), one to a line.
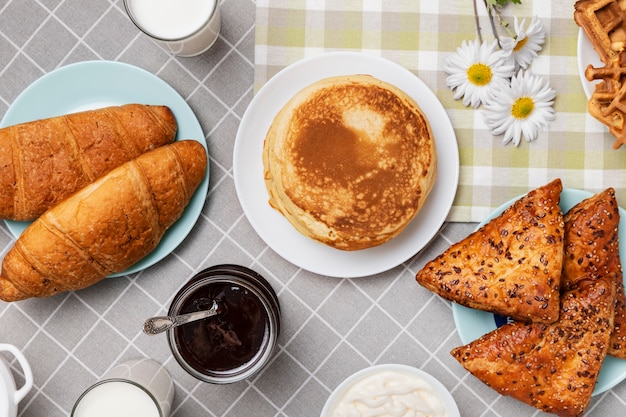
(492, 22)
(505, 24)
(480, 36)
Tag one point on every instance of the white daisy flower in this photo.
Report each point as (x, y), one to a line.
(475, 70)
(521, 109)
(508, 44)
(527, 43)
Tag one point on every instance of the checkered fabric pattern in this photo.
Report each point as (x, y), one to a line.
(419, 35)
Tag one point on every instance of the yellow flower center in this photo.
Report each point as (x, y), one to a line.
(479, 74)
(522, 107)
(520, 44)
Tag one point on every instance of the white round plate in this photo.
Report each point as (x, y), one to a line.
(472, 324)
(440, 390)
(276, 230)
(95, 84)
(587, 55)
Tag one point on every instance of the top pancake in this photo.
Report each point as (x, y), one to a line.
(349, 161)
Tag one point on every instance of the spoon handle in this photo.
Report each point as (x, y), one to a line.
(159, 324)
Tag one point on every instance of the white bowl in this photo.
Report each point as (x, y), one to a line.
(437, 388)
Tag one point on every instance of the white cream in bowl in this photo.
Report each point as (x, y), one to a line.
(390, 390)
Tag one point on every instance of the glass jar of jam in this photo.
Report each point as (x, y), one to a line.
(237, 342)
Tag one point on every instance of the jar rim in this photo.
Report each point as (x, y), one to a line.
(261, 289)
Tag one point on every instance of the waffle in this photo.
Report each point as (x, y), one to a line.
(604, 23)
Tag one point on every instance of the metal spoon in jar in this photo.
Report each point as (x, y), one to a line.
(159, 324)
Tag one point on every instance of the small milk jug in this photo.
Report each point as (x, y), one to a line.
(10, 396)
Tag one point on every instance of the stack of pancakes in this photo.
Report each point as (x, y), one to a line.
(349, 161)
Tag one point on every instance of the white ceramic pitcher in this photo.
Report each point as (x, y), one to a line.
(10, 396)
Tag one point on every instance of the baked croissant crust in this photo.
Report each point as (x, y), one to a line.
(105, 227)
(592, 249)
(47, 160)
(552, 367)
(512, 265)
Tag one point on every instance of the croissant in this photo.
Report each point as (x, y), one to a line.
(45, 161)
(105, 227)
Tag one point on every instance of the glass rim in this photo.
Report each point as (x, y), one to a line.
(108, 380)
(204, 24)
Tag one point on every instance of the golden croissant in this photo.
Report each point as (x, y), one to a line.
(47, 160)
(105, 227)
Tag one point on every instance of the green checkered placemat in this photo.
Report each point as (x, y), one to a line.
(419, 35)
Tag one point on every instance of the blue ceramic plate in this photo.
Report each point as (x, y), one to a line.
(94, 84)
(472, 324)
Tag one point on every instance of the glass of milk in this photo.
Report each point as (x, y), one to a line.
(181, 27)
(138, 387)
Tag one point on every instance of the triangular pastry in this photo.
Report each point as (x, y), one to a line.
(592, 248)
(512, 265)
(551, 367)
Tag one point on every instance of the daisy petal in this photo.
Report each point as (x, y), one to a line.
(476, 70)
(529, 41)
(521, 108)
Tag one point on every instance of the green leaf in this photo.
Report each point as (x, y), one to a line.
(502, 2)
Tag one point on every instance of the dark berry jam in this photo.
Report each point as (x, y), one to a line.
(239, 340)
(226, 341)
